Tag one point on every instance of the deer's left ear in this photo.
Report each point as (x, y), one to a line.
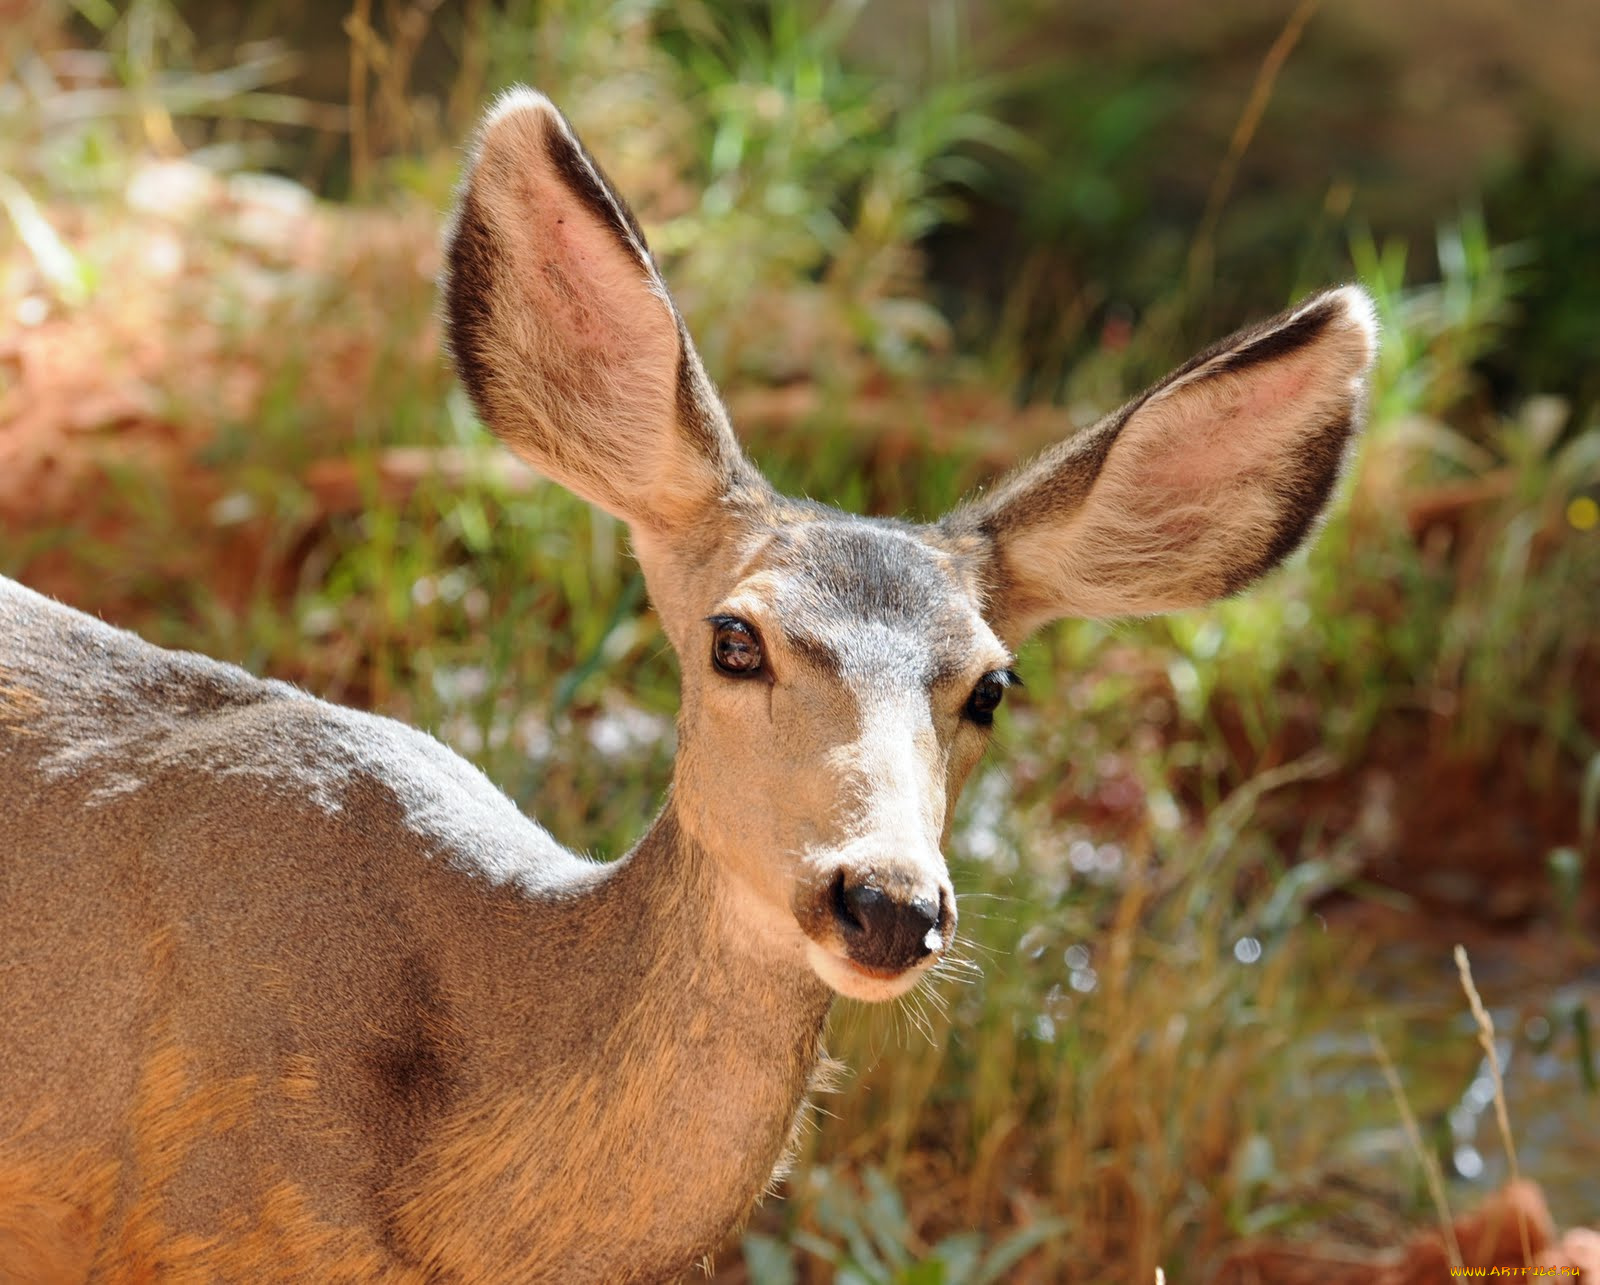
(1192, 490)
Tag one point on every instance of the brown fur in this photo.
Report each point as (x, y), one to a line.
(293, 993)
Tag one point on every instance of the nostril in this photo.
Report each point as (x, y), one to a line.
(845, 905)
(866, 909)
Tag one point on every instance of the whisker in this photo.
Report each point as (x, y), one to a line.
(988, 896)
(989, 916)
(914, 1017)
(993, 952)
(955, 957)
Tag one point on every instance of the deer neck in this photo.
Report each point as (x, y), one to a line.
(671, 1091)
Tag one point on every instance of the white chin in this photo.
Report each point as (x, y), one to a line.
(852, 982)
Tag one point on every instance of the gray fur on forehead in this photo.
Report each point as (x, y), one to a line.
(873, 591)
(874, 567)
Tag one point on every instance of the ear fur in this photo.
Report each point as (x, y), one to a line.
(564, 334)
(1195, 488)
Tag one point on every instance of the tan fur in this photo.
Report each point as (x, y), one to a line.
(294, 994)
(104, 1214)
(18, 705)
(48, 1226)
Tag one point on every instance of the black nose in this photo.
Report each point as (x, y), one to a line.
(882, 930)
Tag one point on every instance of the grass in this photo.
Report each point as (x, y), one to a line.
(1146, 1057)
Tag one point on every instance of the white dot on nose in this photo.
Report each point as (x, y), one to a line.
(932, 941)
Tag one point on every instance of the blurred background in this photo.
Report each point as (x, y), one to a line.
(1213, 872)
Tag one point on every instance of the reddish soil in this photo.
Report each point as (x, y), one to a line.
(1489, 1237)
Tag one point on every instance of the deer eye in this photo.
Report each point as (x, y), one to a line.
(986, 696)
(735, 647)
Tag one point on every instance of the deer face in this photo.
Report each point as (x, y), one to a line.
(839, 683)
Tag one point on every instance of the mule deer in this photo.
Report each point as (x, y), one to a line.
(294, 993)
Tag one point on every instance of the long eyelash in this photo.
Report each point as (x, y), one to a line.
(1009, 678)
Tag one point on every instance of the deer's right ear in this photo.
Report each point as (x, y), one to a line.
(1193, 489)
(564, 334)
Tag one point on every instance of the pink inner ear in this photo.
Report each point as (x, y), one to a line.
(1221, 431)
(587, 294)
(590, 292)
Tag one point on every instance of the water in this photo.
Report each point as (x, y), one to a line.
(1543, 998)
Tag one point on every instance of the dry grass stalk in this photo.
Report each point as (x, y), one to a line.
(1429, 1162)
(1486, 1041)
(1255, 108)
